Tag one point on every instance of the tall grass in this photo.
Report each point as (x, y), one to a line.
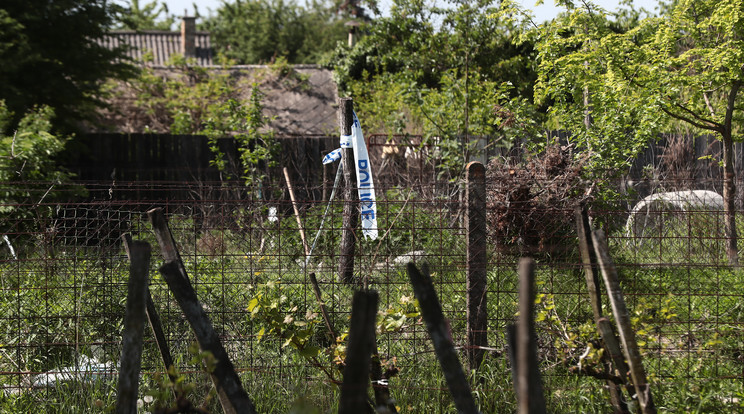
(685, 305)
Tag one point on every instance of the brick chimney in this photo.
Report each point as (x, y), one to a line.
(188, 36)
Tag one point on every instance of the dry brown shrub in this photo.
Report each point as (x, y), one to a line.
(530, 204)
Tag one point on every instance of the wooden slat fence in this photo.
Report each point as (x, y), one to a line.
(182, 162)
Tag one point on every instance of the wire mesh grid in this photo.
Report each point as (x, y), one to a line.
(64, 275)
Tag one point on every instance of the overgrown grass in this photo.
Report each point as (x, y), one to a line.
(684, 302)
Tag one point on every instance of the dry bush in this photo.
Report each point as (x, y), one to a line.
(530, 205)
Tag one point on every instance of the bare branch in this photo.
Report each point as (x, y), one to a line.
(12, 145)
(708, 104)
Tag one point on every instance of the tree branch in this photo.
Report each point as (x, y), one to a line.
(712, 125)
(708, 104)
(691, 121)
(731, 104)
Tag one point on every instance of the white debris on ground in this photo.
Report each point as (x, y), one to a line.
(403, 259)
(409, 257)
(87, 370)
(273, 217)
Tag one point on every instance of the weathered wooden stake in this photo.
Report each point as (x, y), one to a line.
(622, 318)
(163, 235)
(589, 260)
(350, 217)
(134, 325)
(439, 331)
(329, 325)
(154, 318)
(296, 212)
(530, 390)
(591, 273)
(383, 401)
(230, 391)
(476, 285)
(354, 399)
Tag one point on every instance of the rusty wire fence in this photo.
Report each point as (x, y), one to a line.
(63, 290)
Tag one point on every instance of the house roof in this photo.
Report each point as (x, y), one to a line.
(159, 44)
(308, 109)
(300, 104)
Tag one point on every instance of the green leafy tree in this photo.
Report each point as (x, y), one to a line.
(153, 15)
(260, 31)
(421, 43)
(52, 57)
(684, 67)
(452, 81)
(28, 166)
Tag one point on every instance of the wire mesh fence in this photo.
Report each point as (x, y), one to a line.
(63, 291)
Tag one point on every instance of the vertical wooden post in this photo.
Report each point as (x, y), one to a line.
(530, 395)
(591, 272)
(622, 317)
(351, 195)
(441, 337)
(154, 318)
(134, 324)
(383, 400)
(476, 285)
(589, 260)
(354, 399)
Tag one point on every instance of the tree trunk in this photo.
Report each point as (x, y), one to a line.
(729, 198)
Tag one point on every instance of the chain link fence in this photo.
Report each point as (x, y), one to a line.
(63, 276)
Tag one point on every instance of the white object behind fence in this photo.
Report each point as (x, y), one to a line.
(641, 216)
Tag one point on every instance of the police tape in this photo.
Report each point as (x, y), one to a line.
(365, 184)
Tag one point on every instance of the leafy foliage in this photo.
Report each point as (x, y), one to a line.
(281, 317)
(189, 99)
(452, 82)
(153, 15)
(51, 57)
(28, 154)
(257, 147)
(260, 31)
(685, 67)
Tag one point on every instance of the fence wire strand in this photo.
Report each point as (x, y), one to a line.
(63, 287)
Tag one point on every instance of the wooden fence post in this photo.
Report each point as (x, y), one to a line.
(354, 399)
(476, 285)
(530, 390)
(296, 212)
(230, 391)
(154, 318)
(323, 311)
(134, 324)
(439, 331)
(383, 401)
(351, 196)
(622, 318)
(591, 273)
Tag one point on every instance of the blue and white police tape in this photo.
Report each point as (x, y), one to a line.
(332, 156)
